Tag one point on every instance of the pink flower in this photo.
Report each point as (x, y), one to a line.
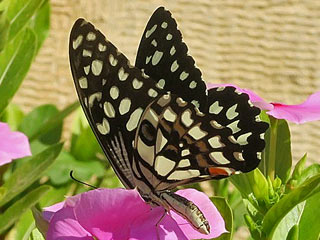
(122, 214)
(299, 113)
(12, 144)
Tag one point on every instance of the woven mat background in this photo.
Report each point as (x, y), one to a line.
(269, 46)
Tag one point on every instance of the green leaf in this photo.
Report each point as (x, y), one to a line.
(299, 167)
(53, 121)
(13, 115)
(277, 159)
(293, 233)
(41, 223)
(85, 146)
(24, 226)
(4, 30)
(279, 210)
(40, 23)
(309, 223)
(19, 13)
(28, 173)
(289, 221)
(226, 213)
(59, 171)
(35, 120)
(13, 213)
(15, 62)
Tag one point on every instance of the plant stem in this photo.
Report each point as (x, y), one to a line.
(273, 147)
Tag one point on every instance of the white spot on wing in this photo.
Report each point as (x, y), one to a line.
(231, 112)
(112, 60)
(164, 25)
(185, 152)
(172, 50)
(160, 142)
(109, 110)
(234, 126)
(86, 69)
(161, 83)
(104, 127)
(184, 163)
(134, 119)
(77, 42)
(91, 36)
(174, 66)
(93, 97)
(193, 84)
(96, 67)
(170, 115)
(243, 139)
(86, 53)
(102, 47)
(152, 93)
(122, 74)
(183, 75)
(215, 108)
(163, 165)
(154, 42)
(83, 82)
(114, 92)
(186, 118)
(218, 157)
(184, 174)
(197, 133)
(124, 106)
(169, 36)
(145, 152)
(136, 83)
(156, 57)
(238, 156)
(148, 59)
(149, 32)
(215, 142)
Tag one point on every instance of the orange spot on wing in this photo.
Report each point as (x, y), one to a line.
(217, 171)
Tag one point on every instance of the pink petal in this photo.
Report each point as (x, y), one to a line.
(254, 98)
(50, 211)
(300, 113)
(217, 225)
(109, 213)
(64, 226)
(12, 144)
(144, 228)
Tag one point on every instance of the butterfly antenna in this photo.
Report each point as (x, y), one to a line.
(74, 179)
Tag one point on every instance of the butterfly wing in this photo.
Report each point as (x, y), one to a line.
(113, 94)
(164, 56)
(188, 146)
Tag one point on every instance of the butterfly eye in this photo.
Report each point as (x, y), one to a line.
(148, 132)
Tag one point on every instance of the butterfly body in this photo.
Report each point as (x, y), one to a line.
(156, 122)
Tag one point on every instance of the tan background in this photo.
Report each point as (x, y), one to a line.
(270, 46)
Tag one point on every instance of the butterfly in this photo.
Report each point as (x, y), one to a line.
(156, 121)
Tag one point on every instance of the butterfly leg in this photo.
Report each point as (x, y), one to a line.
(158, 223)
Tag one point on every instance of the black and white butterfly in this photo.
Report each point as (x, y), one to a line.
(156, 122)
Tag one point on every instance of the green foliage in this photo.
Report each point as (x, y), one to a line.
(28, 173)
(12, 213)
(15, 61)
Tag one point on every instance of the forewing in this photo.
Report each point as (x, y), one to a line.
(164, 56)
(190, 146)
(113, 94)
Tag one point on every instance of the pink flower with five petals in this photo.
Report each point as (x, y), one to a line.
(122, 214)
